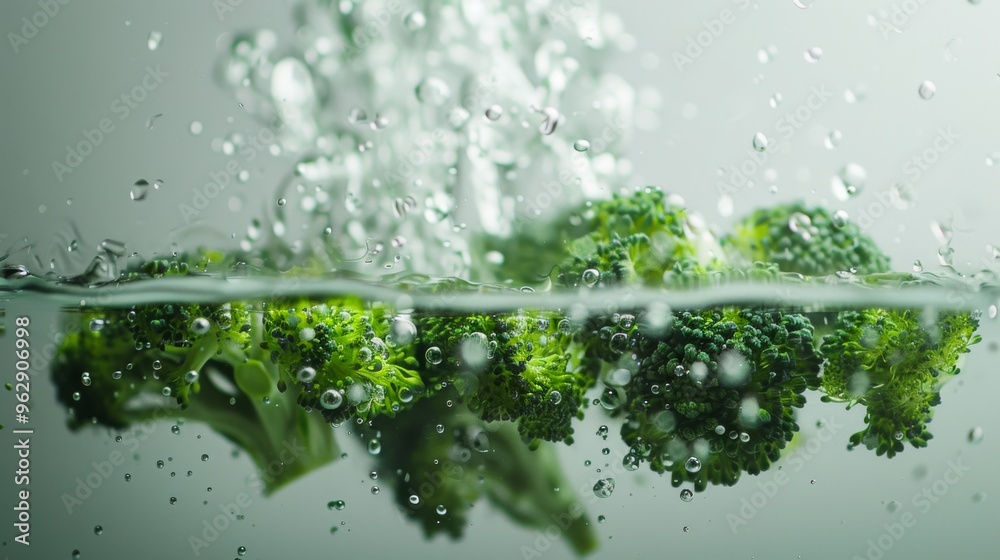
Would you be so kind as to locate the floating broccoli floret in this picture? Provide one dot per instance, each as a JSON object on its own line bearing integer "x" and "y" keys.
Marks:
{"x": 351, "y": 359}
{"x": 513, "y": 367}
{"x": 633, "y": 239}
{"x": 117, "y": 367}
{"x": 809, "y": 241}
{"x": 894, "y": 362}
{"x": 716, "y": 396}
{"x": 442, "y": 459}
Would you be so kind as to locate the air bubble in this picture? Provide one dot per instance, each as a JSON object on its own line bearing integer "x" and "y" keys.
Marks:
{"x": 604, "y": 487}
{"x": 927, "y": 90}
{"x": 154, "y": 40}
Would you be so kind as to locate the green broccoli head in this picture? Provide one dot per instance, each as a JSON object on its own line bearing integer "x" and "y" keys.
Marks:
{"x": 634, "y": 239}
{"x": 117, "y": 367}
{"x": 351, "y": 358}
{"x": 893, "y": 362}
{"x": 442, "y": 459}
{"x": 716, "y": 396}
{"x": 808, "y": 241}
{"x": 513, "y": 367}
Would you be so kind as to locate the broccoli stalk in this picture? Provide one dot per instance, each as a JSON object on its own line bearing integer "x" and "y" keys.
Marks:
{"x": 438, "y": 474}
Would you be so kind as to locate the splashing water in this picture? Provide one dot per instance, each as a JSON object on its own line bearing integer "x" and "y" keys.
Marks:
{"x": 384, "y": 106}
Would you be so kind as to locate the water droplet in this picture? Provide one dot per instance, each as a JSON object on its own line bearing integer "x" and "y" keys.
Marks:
{"x": 813, "y": 55}
{"x": 692, "y": 465}
{"x": 98, "y": 530}
{"x": 204, "y": 457}
{"x": 552, "y": 120}
{"x": 433, "y": 91}
{"x": 139, "y": 190}
{"x": 917, "y": 266}
{"x": 441, "y": 510}
{"x": 200, "y": 325}
{"x": 927, "y": 90}
{"x": 687, "y": 495}
{"x": 128, "y": 477}
{"x": 976, "y": 435}
{"x": 175, "y": 429}
{"x": 306, "y": 375}
{"x": 434, "y": 355}
{"x": 154, "y": 40}
{"x": 833, "y": 139}
{"x": 630, "y": 462}
{"x": 759, "y": 142}
{"x": 601, "y": 519}
{"x": 242, "y": 550}
{"x": 604, "y": 487}
{"x": 494, "y": 112}
{"x": 415, "y": 20}
{"x": 196, "y": 128}
{"x": 581, "y": 145}
{"x": 841, "y": 219}
{"x": 687, "y": 529}
{"x": 374, "y": 447}
{"x": 375, "y": 490}
{"x": 338, "y": 505}
{"x": 331, "y": 399}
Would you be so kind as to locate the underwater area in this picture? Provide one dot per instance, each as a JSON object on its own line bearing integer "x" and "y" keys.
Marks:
{"x": 474, "y": 278}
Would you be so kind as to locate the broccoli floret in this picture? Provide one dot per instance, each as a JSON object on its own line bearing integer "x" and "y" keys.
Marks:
{"x": 442, "y": 459}
{"x": 117, "y": 367}
{"x": 512, "y": 367}
{"x": 716, "y": 396}
{"x": 633, "y": 239}
{"x": 894, "y": 362}
{"x": 351, "y": 359}
{"x": 808, "y": 241}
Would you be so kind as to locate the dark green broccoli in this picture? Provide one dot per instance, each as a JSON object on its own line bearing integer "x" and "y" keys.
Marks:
{"x": 716, "y": 396}
{"x": 894, "y": 362}
{"x": 809, "y": 241}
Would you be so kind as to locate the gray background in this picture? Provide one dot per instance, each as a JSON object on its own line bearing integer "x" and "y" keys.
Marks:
{"x": 65, "y": 79}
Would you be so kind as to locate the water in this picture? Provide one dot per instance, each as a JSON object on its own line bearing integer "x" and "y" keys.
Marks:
{"x": 387, "y": 144}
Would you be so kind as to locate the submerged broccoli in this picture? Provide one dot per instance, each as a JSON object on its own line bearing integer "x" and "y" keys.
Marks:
{"x": 809, "y": 241}
{"x": 716, "y": 396}
{"x": 514, "y": 367}
{"x": 442, "y": 459}
{"x": 117, "y": 367}
{"x": 351, "y": 359}
{"x": 894, "y": 362}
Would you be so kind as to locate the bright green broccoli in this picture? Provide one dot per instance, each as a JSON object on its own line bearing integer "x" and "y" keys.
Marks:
{"x": 351, "y": 359}
{"x": 515, "y": 367}
{"x": 442, "y": 459}
{"x": 633, "y": 239}
{"x": 716, "y": 396}
{"x": 894, "y": 362}
{"x": 809, "y": 241}
{"x": 202, "y": 362}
